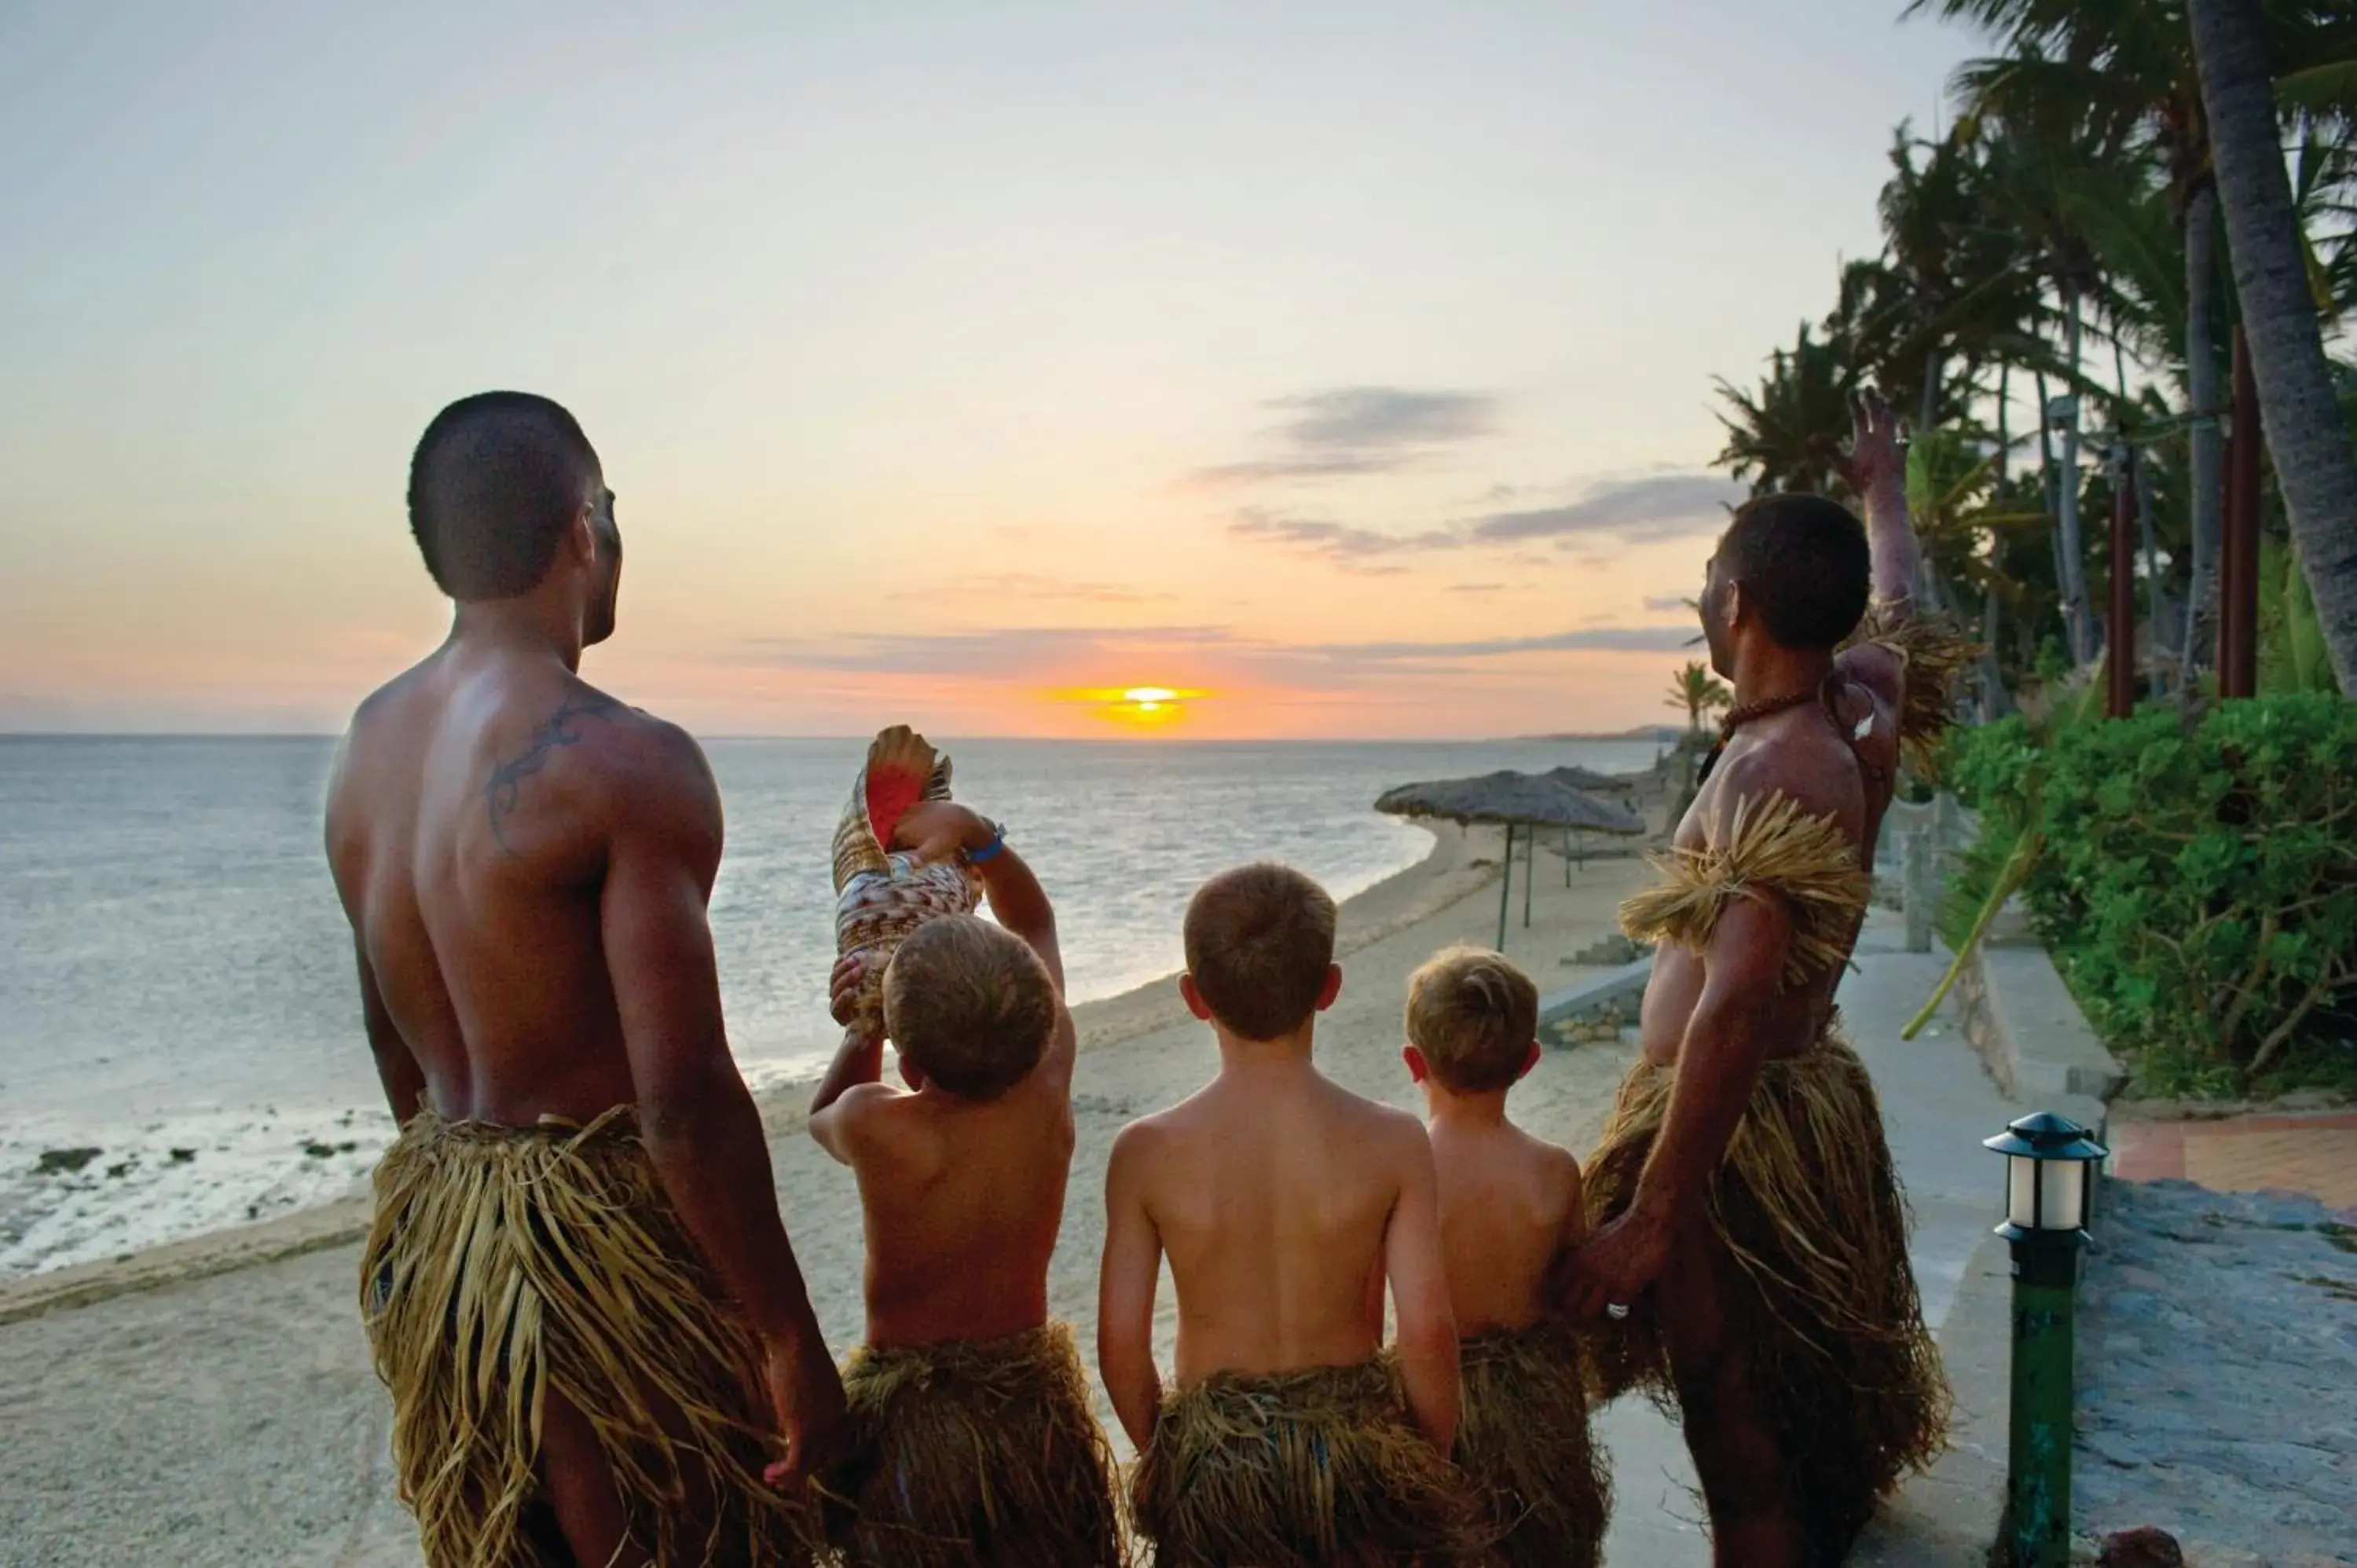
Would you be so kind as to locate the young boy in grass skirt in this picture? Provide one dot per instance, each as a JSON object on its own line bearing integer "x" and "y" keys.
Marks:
{"x": 1284, "y": 1204}
{"x": 972, "y": 1438}
{"x": 1510, "y": 1205}
{"x": 1750, "y": 1251}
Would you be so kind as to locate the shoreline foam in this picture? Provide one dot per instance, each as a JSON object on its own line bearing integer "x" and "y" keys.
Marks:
{"x": 1447, "y": 874}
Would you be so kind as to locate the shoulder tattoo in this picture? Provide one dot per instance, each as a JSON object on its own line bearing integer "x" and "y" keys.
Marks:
{"x": 505, "y": 790}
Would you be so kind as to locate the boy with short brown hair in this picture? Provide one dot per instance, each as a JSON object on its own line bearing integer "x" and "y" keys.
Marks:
{"x": 1284, "y": 1203}
{"x": 1510, "y": 1204}
{"x": 973, "y": 1441}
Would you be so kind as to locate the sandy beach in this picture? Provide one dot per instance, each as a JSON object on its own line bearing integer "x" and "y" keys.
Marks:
{"x": 212, "y": 1403}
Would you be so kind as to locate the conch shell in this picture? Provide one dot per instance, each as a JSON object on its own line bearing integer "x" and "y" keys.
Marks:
{"x": 881, "y": 895}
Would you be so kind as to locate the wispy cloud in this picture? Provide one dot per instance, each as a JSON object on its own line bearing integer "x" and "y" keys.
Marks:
{"x": 1658, "y": 506}
{"x": 1051, "y": 654}
{"x": 1345, "y": 431}
{"x": 1632, "y": 510}
{"x": 1033, "y": 586}
{"x": 1359, "y": 550}
{"x": 1666, "y": 602}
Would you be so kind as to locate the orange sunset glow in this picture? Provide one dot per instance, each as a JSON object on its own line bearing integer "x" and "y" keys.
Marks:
{"x": 1146, "y": 399}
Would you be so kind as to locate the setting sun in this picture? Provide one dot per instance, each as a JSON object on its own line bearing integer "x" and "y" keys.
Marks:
{"x": 1147, "y": 707}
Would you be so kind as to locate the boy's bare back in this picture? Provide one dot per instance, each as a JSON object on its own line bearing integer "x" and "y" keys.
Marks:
{"x": 1510, "y": 1203}
{"x": 963, "y": 1203}
{"x": 962, "y": 1192}
{"x": 1273, "y": 1195}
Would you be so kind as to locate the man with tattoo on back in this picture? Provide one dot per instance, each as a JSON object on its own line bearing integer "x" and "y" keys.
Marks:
{"x": 1748, "y": 1252}
{"x": 577, "y": 1285}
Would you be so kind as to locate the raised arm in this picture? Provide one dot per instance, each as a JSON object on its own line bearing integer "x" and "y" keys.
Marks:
{"x": 1131, "y": 1269}
{"x": 1876, "y": 470}
{"x": 1423, "y": 1320}
{"x": 699, "y": 1121}
{"x": 940, "y": 829}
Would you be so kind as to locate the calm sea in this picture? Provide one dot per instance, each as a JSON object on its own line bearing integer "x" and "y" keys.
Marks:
{"x": 176, "y": 988}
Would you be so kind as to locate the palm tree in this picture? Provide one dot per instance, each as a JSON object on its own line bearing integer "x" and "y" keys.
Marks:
{"x": 2128, "y": 67}
{"x": 1699, "y": 692}
{"x": 1783, "y": 438}
{"x": 2305, "y": 432}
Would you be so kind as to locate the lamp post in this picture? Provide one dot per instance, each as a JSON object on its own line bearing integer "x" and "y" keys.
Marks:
{"x": 2047, "y": 1187}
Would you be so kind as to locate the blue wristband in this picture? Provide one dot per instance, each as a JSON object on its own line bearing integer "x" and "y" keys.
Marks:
{"x": 991, "y": 850}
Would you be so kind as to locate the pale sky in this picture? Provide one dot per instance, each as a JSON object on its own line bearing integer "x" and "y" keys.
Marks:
{"x": 1349, "y": 364}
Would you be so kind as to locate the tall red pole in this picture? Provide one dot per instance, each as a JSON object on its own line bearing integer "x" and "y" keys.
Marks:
{"x": 2238, "y": 657}
{"x": 2121, "y": 697}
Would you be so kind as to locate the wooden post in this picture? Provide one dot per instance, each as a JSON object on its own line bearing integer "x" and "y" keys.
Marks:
{"x": 2238, "y": 651}
{"x": 1915, "y": 885}
{"x": 2121, "y": 695}
{"x": 1530, "y": 870}
{"x": 1505, "y": 887}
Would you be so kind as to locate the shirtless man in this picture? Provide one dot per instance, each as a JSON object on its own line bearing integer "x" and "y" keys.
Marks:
{"x": 1752, "y": 1253}
{"x": 973, "y": 1441}
{"x": 577, "y": 1285}
{"x": 1510, "y": 1204}
{"x": 1284, "y": 1204}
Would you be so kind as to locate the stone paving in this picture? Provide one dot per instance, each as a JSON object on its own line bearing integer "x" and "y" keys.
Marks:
{"x": 2217, "y": 1374}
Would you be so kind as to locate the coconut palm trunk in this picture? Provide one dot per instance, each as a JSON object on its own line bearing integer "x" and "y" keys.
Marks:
{"x": 2297, "y": 409}
{"x": 2207, "y": 470}
{"x": 2075, "y": 616}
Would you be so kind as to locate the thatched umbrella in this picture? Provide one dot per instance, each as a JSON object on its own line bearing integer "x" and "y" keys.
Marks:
{"x": 1571, "y": 776}
{"x": 1511, "y": 801}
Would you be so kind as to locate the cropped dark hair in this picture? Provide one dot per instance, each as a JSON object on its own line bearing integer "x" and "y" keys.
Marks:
{"x": 1804, "y": 565}
{"x": 1259, "y": 940}
{"x": 496, "y": 481}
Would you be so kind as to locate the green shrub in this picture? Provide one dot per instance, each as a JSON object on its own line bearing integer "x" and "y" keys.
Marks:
{"x": 2198, "y": 892}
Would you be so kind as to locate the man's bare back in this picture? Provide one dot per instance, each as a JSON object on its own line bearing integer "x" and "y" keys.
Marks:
{"x": 525, "y": 864}
{"x": 469, "y": 821}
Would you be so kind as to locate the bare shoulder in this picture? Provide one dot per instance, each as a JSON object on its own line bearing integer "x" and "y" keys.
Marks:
{"x": 640, "y": 772}
{"x": 1398, "y": 1136}
{"x": 1138, "y": 1155}
{"x": 1816, "y": 772}
{"x": 1879, "y": 668}
{"x": 1557, "y": 1168}
{"x": 874, "y": 1123}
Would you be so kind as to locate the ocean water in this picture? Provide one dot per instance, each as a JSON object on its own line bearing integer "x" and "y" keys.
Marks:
{"x": 179, "y": 1033}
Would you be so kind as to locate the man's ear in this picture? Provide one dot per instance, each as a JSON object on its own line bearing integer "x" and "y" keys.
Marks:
{"x": 1331, "y": 989}
{"x": 1732, "y": 605}
{"x": 1416, "y": 1068}
{"x": 1195, "y": 1002}
{"x": 1529, "y": 1062}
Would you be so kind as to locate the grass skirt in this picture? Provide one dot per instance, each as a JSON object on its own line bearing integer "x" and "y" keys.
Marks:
{"x": 1821, "y": 1303}
{"x": 1300, "y": 1469}
{"x": 506, "y": 1263}
{"x": 965, "y": 1454}
{"x": 1523, "y": 1444}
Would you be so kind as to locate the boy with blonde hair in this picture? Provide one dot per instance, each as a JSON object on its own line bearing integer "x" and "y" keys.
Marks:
{"x": 1284, "y": 1204}
{"x": 972, "y": 1440}
{"x": 1510, "y": 1205}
